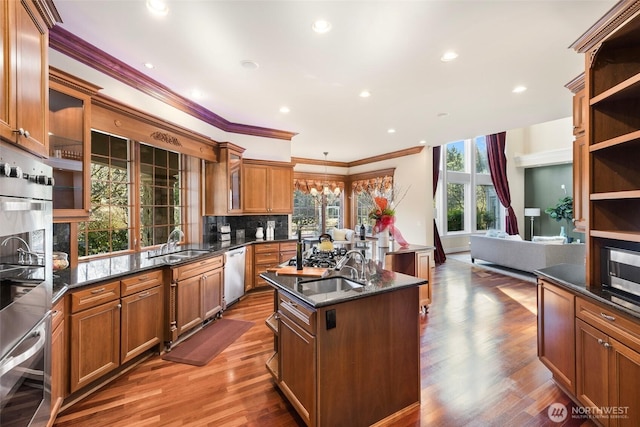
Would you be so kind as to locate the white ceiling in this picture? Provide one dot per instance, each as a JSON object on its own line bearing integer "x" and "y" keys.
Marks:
{"x": 391, "y": 48}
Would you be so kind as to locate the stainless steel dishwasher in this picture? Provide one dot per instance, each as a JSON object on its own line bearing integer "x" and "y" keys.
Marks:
{"x": 233, "y": 275}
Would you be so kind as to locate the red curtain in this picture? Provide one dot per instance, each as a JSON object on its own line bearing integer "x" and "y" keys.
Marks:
{"x": 498, "y": 167}
{"x": 439, "y": 255}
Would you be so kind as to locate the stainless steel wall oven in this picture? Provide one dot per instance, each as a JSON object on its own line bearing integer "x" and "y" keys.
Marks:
{"x": 26, "y": 278}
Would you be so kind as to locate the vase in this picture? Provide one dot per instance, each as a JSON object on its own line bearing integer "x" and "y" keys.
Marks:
{"x": 562, "y": 232}
{"x": 383, "y": 239}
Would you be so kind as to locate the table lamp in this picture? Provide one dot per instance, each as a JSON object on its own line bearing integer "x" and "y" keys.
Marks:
{"x": 532, "y": 213}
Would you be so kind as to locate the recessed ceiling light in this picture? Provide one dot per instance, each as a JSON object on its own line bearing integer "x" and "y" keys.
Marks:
{"x": 423, "y": 142}
{"x": 195, "y": 93}
{"x": 321, "y": 26}
{"x": 365, "y": 94}
{"x": 448, "y": 56}
{"x": 158, "y": 7}
{"x": 284, "y": 109}
{"x": 249, "y": 64}
{"x": 149, "y": 65}
{"x": 391, "y": 130}
{"x": 519, "y": 89}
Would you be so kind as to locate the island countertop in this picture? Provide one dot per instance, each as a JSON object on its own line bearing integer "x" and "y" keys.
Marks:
{"x": 382, "y": 281}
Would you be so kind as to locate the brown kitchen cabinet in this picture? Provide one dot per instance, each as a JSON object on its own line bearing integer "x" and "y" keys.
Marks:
{"x": 113, "y": 323}
{"x": 269, "y": 255}
{"x": 580, "y": 153}
{"x": 59, "y": 359}
{"x": 195, "y": 295}
{"x": 223, "y": 181}
{"x": 69, "y": 144}
{"x": 268, "y": 187}
{"x": 556, "y": 333}
{"x": 335, "y": 373}
{"x": 414, "y": 262}
{"x": 607, "y": 361}
{"x": 24, "y": 43}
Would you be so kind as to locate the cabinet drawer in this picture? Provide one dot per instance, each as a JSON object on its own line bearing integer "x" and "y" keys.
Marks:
{"x": 267, "y": 247}
{"x": 140, "y": 282}
{"x": 267, "y": 258}
{"x": 609, "y": 321}
{"x": 198, "y": 268}
{"x": 94, "y": 296}
{"x": 288, "y": 246}
{"x": 302, "y": 315}
{"x": 57, "y": 314}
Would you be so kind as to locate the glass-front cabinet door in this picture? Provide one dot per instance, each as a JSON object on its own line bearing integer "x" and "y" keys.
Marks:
{"x": 69, "y": 138}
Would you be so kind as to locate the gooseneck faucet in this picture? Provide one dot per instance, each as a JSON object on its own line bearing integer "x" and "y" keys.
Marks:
{"x": 342, "y": 263}
{"x": 21, "y": 252}
{"x": 172, "y": 242}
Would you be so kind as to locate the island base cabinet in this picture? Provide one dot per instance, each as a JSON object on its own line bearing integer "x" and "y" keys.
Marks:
{"x": 297, "y": 368}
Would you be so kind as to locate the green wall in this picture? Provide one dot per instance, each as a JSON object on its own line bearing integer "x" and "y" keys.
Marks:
{"x": 542, "y": 189}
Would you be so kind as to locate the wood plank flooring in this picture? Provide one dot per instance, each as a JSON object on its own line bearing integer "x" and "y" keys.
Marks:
{"x": 478, "y": 368}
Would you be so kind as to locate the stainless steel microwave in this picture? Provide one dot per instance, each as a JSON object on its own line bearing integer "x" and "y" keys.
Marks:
{"x": 622, "y": 270}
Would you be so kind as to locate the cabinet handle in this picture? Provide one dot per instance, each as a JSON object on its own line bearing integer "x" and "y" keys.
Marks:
{"x": 22, "y": 132}
{"x": 604, "y": 343}
{"x": 141, "y": 278}
{"x": 97, "y": 291}
{"x": 144, "y": 294}
{"x": 609, "y": 318}
{"x": 293, "y": 304}
{"x": 55, "y": 313}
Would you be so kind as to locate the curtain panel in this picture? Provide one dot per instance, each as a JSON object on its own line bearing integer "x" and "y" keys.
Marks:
{"x": 439, "y": 254}
{"x": 496, "y": 144}
{"x": 379, "y": 184}
{"x": 305, "y": 185}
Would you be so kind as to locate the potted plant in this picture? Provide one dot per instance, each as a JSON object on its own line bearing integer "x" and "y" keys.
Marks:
{"x": 562, "y": 211}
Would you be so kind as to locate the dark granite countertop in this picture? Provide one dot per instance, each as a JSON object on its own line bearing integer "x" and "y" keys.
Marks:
{"x": 382, "y": 281}
{"x": 99, "y": 270}
{"x": 573, "y": 278}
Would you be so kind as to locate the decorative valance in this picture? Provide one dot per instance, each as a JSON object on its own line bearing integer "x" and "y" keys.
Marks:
{"x": 379, "y": 184}
{"x": 306, "y": 184}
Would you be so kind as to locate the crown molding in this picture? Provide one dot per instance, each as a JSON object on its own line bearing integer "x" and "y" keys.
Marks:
{"x": 576, "y": 85}
{"x": 623, "y": 11}
{"x": 386, "y": 156}
{"x": 74, "y": 47}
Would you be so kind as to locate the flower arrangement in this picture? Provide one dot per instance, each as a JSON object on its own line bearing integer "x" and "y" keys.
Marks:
{"x": 382, "y": 212}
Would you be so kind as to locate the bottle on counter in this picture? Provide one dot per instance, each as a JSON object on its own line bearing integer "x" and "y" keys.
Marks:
{"x": 362, "y": 231}
{"x": 299, "y": 265}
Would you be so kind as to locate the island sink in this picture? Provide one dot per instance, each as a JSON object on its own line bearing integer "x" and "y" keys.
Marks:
{"x": 329, "y": 284}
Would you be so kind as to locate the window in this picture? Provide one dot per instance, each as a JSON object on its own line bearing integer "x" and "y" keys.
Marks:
{"x": 113, "y": 223}
{"x": 470, "y": 197}
{"x": 379, "y": 183}
{"x": 316, "y": 207}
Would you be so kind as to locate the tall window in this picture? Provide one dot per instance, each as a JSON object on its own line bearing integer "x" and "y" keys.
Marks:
{"x": 375, "y": 184}
{"x": 121, "y": 220}
{"x": 317, "y": 205}
{"x": 470, "y": 198}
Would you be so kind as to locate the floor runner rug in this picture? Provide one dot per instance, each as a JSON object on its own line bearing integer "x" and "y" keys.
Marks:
{"x": 203, "y": 346}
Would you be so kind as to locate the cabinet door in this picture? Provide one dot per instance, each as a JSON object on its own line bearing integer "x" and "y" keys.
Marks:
{"x": 58, "y": 366}
{"x": 141, "y": 323}
{"x": 95, "y": 343}
{"x": 254, "y": 191}
{"x": 592, "y": 385}
{"x": 580, "y": 183}
{"x": 31, "y": 80}
{"x": 298, "y": 368}
{"x": 556, "y": 333}
{"x": 280, "y": 191}
{"x": 212, "y": 292}
{"x": 423, "y": 267}
{"x": 189, "y": 304}
{"x": 580, "y": 112}
{"x": 624, "y": 377}
{"x": 6, "y": 84}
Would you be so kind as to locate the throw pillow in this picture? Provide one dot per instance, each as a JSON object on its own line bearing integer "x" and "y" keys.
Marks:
{"x": 339, "y": 234}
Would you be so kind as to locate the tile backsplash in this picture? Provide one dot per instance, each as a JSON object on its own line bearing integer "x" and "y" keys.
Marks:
{"x": 248, "y": 223}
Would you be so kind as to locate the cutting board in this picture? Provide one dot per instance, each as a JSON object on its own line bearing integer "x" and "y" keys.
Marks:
{"x": 290, "y": 270}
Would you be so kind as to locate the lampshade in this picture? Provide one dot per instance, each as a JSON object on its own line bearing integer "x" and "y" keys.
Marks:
{"x": 531, "y": 211}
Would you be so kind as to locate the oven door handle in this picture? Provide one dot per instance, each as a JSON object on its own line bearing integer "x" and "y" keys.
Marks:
{"x": 11, "y": 362}
{"x": 19, "y": 206}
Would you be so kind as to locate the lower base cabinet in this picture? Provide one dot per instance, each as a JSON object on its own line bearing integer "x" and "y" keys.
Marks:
{"x": 416, "y": 264}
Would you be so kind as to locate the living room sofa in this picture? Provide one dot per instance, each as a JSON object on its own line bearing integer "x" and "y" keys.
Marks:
{"x": 525, "y": 255}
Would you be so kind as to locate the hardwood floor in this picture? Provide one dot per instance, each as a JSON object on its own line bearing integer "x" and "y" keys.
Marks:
{"x": 478, "y": 368}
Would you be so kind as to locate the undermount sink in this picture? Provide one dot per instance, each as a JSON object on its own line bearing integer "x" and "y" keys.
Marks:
{"x": 181, "y": 255}
{"x": 329, "y": 284}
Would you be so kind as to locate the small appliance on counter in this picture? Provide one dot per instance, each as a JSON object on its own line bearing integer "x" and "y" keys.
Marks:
{"x": 224, "y": 234}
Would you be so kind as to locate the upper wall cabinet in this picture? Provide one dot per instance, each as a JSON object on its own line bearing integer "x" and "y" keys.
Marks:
{"x": 223, "y": 182}
{"x": 69, "y": 144}
{"x": 24, "y": 40}
{"x": 268, "y": 187}
{"x": 580, "y": 153}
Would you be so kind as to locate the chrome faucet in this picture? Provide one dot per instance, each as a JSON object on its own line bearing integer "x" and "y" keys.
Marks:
{"x": 24, "y": 256}
{"x": 342, "y": 263}
{"x": 172, "y": 242}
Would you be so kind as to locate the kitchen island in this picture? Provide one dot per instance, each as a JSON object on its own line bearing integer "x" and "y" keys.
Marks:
{"x": 346, "y": 353}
